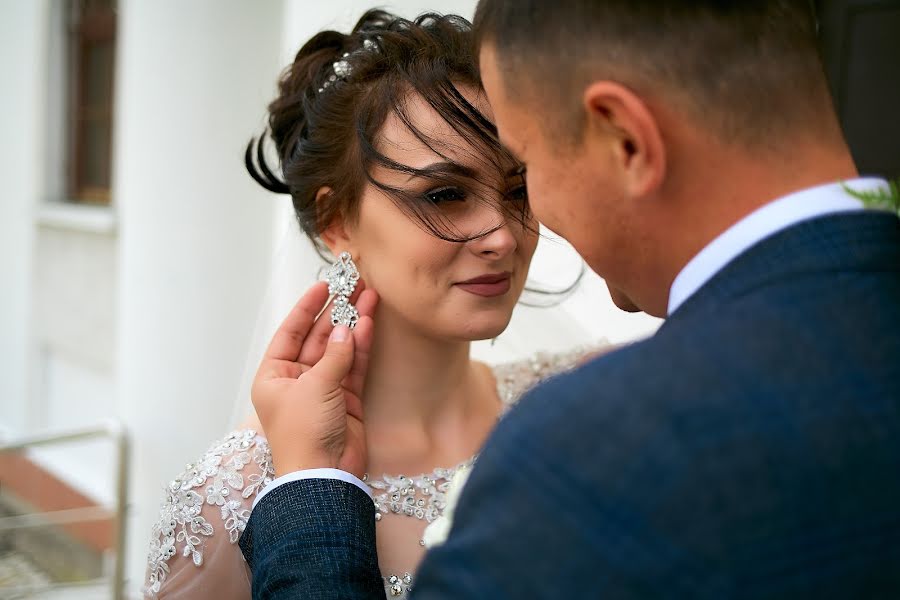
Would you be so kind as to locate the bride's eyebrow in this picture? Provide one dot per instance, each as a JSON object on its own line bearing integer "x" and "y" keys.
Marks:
{"x": 444, "y": 167}
{"x": 516, "y": 170}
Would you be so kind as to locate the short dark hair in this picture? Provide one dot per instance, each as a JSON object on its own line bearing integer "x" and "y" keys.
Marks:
{"x": 326, "y": 125}
{"x": 748, "y": 70}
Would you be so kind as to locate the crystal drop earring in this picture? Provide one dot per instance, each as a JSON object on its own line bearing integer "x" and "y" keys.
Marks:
{"x": 342, "y": 277}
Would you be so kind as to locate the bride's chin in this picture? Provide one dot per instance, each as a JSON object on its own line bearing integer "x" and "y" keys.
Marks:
{"x": 486, "y": 327}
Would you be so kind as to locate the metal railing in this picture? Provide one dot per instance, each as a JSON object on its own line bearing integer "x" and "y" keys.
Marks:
{"x": 115, "y": 580}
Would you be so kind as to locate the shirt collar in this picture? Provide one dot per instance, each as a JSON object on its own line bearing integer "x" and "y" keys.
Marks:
{"x": 762, "y": 223}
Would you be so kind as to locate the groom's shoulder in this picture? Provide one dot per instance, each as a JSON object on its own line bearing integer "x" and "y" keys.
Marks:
{"x": 718, "y": 371}
{"x": 652, "y": 368}
{"x": 603, "y": 420}
{"x": 643, "y": 377}
{"x": 647, "y": 390}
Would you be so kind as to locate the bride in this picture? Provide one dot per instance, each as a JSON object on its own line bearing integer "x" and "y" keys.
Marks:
{"x": 387, "y": 149}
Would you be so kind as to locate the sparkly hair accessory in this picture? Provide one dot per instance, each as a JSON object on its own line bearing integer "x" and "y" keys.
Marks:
{"x": 342, "y": 69}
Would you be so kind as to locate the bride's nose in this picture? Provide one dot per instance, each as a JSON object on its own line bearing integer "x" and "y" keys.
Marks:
{"x": 496, "y": 245}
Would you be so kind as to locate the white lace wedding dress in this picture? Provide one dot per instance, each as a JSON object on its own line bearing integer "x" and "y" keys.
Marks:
{"x": 193, "y": 548}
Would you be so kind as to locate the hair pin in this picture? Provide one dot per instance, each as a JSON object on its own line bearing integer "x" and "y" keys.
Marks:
{"x": 341, "y": 69}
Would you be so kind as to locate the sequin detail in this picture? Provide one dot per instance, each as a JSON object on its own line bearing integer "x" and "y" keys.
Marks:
{"x": 397, "y": 586}
{"x": 421, "y": 497}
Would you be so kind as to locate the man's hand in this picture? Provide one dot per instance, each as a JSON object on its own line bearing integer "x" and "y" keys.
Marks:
{"x": 307, "y": 391}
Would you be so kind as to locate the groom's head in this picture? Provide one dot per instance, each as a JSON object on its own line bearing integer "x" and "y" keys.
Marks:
{"x": 647, "y": 127}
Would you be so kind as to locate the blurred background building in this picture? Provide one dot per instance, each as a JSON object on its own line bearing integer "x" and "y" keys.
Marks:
{"x": 135, "y": 253}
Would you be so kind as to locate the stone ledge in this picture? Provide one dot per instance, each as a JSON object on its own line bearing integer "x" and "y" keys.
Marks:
{"x": 85, "y": 218}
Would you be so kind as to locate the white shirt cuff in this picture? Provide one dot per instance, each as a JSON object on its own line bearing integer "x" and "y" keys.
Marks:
{"x": 313, "y": 474}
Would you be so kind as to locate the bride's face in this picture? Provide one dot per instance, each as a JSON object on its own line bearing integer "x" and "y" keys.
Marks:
{"x": 443, "y": 289}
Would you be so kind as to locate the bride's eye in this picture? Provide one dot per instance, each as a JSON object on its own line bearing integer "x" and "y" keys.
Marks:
{"x": 446, "y": 194}
{"x": 518, "y": 193}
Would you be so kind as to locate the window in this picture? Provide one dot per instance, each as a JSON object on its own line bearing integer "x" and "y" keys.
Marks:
{"x": 91, "y": 37}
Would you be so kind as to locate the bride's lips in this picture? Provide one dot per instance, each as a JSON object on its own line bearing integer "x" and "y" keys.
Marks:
{"x": 488, "y": 286}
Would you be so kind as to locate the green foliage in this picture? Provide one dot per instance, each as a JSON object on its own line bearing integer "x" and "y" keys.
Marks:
{"x": 882, "y": 198}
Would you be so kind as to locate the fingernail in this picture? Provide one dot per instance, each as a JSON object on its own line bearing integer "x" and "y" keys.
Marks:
{"x": 340, "y": 333}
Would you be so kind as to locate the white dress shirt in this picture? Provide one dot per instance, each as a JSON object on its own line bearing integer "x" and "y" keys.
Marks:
{"x": 755, "y": 227}
{"x": 313, "y": 474}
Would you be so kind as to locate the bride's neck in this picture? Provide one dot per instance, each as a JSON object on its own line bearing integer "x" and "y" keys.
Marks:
{"x": 418, "y": 388}
{"x": 411, "y": 375}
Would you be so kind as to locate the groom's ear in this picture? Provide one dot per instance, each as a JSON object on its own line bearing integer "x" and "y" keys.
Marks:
{"x": 624, "y": 120}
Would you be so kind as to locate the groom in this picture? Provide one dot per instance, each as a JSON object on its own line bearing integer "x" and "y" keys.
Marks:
{"x": 751, "y": 448}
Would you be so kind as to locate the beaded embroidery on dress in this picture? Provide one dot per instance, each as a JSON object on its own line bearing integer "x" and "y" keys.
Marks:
{"x": 206, "y": 507}
{"x": 220, "y": 479}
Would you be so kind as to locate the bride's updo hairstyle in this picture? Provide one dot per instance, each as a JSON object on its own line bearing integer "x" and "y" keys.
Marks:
{"x": 334, "y": 99}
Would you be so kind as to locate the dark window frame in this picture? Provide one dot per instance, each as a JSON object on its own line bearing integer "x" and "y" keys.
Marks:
{"x": 92, "y": 25}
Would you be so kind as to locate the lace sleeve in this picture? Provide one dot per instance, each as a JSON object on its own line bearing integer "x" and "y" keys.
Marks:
{"x": 193, "y": 546}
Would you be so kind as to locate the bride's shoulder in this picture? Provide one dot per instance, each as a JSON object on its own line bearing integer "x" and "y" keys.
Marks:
{"x": 514, "y": 378}
{"x": 207, "y": 504}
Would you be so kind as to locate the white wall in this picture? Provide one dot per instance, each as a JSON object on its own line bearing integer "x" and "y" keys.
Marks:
{"x": 73, "y": 300}
{"x": 20, "y": 109}
{"x": 193, "y": 82}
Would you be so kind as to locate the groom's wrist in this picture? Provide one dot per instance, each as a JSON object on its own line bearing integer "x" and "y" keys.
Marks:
{"x": 318, "y": 473}
{"x": 292, "y": 458}
{"x": 286, "y": 468}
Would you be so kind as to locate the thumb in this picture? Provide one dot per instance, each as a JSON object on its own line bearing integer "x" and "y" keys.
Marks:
{"x": 337, "y": 361}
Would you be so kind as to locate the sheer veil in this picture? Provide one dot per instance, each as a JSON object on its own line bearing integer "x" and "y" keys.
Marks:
{"x": 544, "y": 320}
{"x": 294, "y": 267}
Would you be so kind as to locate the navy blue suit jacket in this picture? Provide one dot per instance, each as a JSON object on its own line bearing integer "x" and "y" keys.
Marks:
{"x": 749, "y": 449}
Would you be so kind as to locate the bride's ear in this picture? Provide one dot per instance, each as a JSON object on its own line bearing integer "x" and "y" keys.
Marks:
{"x": 334, "y": 235}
